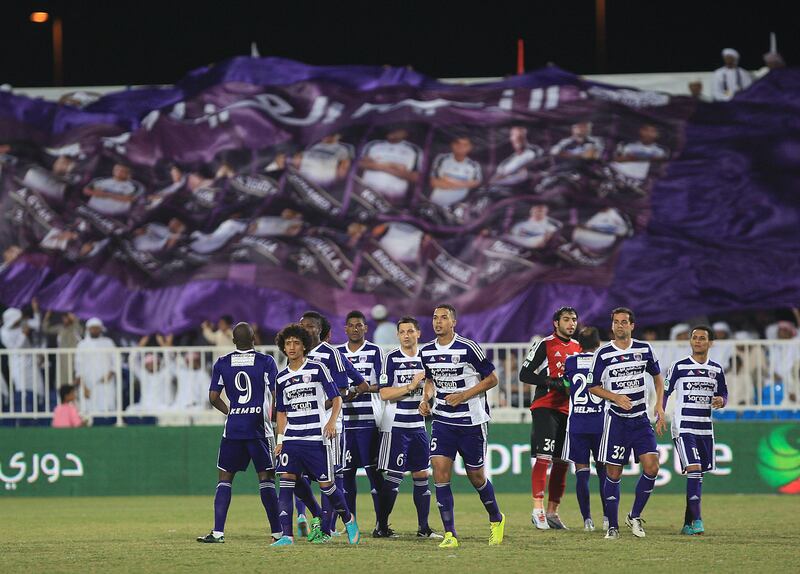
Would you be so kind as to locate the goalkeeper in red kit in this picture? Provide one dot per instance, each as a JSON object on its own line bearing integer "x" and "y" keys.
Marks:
{"x": 544, "y": 368}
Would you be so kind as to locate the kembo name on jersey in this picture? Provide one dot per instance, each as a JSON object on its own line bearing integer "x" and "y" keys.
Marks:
{"x": 401, "y": 370}
{"x": 454, "y": 368}
{"x": 302, "y": 394}
{"x": 248, "y": 378}
{"x": 586, "y": 410}
{"x": 694, "y": 386}
{"x": 623, "y": 371}
{"x": 365, "y": 409}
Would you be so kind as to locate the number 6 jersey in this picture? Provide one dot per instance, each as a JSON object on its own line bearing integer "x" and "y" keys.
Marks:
{"x": 248, "y": 378}
{"x": 586, "y": 410}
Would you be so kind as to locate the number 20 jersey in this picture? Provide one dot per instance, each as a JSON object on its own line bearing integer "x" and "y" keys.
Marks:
{"x": 248, "y": 378}
{"x": 586, "y": 410}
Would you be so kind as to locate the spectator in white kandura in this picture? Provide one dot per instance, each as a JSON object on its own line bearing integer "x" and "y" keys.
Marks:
{"x": 730, "y": 78}
{"x": 193, "y": 382}
{"x": 723, "y": 349}
{"x": 155, "y": 383}
{"x": 25, "y": 376}
{"x": 325, "y": 162}
{"x": 68, "y": 333}
{"x": 95, "y": 366}
{"x": 210, "y": 242}
{"x": 114, "y": 195}
{"x": 385, "y": 333}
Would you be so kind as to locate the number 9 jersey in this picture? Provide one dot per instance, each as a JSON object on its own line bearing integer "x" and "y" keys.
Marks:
{"x": 248, "y": 378}
{"x": 586, "y": 410}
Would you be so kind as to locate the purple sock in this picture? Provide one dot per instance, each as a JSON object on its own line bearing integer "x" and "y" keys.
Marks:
{"x": 269, "y": 498}
{"x": 375, "y": 487}
{"x": 694, "y": 487}
{"x": 422, "y": 500}
{"x": 486, "y": 492}
{"x": 302, "y": 490}
{"x": 391, "y": 486}
{"x": 444, "y": 500}
{"x": 350, "y": 490}
{"x": 582, "y": 491}
{"x": 285, "y": 502}
{"x": 339, "y": 482}
{"x": 643, "y": 490}
{"x": 611, "y": 494}
{"x": 337, "y": 502}
{"x": 601, "y": 478}
{"x": 222, "y": 500}
{"x": 298, "y": 504}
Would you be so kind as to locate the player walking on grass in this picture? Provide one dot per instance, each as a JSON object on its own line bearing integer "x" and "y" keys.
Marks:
{"x": 698, "y": 385}
{"x": 248, "y": 378}
{"x": 405, "y": 445}
{"x": 618, "y": 376}
{"x": 585, "y": 425}
{"x": 544, "y": 367}
{"x": 305, "y": 443}
{"x": 458, "y": 375}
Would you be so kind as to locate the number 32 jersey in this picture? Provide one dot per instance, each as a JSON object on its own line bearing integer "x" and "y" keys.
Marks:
{"x": 586, "y": 410}
{"x": 248, "y": 378}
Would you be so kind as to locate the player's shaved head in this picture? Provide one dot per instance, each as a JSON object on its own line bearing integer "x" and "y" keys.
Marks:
{"x": 243, "y": 336}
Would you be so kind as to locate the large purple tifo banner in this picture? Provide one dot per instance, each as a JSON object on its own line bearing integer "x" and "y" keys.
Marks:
{"x": 262, "y": 187}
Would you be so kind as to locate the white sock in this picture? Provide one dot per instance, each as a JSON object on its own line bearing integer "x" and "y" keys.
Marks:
{"x": 217, "y": 533}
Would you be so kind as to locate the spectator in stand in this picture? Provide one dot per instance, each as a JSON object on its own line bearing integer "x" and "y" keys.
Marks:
{"x": 223, "y": 335}
{"x": 68, "y": 333}
{"x": 730, "y": 78}
{"x": 193, "y": 382}
{"x": 94, "y": 368}
{"x": 155, "y": 383}
{"x": 66, "y": 414}
{"x": 385, "y": 333}
{"x": 696, "y": 90}
{"x": 25, "y": 376}
{"x": 114, "y": 195}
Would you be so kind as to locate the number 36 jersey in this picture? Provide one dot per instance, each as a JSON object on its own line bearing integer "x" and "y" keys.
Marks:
{"x": 586, "y": 411}
{"x": 248, "y": 378}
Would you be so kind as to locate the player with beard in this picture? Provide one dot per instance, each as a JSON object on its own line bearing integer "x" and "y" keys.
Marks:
{"x": 544, "y": 367}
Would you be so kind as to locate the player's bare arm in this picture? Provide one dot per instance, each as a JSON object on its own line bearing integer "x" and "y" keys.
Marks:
{"x": 622, "y": 401}
{"x": 281, "y": 422}
{"x": 487, "y": 383}
{"x": 217, "y": 402}
{"x": 330, "y": 427}
{"x": 427, "y": 395}
{"x": 658, "y": 410}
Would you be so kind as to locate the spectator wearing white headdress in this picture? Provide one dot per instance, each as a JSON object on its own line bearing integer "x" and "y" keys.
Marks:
{"x": 730, "y": 78}
{"x": 193, "y": 382}
{"x": 24, "y": 375}
{"x": 385, "y": 333}
{"x": 95, "y": 367}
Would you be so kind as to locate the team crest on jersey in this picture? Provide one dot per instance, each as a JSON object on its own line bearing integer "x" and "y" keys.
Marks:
{"x": 456, "y": 359}
{"x": 362, "y": 359}
{"x": 306, "y": 378}
{"x": 712, "y": 374}
{"x": 637, "y": 356}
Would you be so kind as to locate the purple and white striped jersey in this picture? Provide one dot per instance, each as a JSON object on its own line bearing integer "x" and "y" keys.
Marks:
{"x": 403, "y": 414}
{"x": 364, "y": 411}
{"x": 301, "y": 394}
{"x": 453, "y": 368}
{"x": 694, "y": 385}
{"x": 586, "y": 411}
{"x": 622, "y": 371}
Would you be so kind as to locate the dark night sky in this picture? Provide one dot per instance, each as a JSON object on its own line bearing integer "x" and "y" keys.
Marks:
{"x": 158, "y": 42}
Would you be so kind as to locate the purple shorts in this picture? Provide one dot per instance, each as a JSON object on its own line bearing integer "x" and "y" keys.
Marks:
{"x": 621, "y": 435}
{"x": 312, "y": 458}
{"x": 404, "y": 450}
{"x": 236, "y": 454}
{"x": 578, "y": 446}
{"x": 468, "y": 441}
{"x": 361, "y": 448}
{"x": 696, "y": 450}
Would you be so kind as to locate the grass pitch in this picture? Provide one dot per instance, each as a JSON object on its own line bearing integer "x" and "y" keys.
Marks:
{"x": 157, "y": 534}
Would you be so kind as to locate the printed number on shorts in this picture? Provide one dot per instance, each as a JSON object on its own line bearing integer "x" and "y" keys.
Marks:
{"x": 619, "y": 452}
{"x": 549, "y": 444}
{"x": 348, "y": 456}
{"x": 400, "y": 460}
{"x": 284, "y": 459}
{"x": 243, "y": 385}
{"x": 433, "y": 444}
{"x": 695, "y": 452}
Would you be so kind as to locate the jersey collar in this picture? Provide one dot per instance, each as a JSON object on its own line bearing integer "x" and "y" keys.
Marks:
{"x": 448, "y": 345}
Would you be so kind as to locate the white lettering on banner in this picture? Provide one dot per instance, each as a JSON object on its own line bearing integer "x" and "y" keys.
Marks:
{"x": 48, "y": 465}
{"x": 424, "y": 107}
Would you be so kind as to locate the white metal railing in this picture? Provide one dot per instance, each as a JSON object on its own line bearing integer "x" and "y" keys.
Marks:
{"x": 171, "y": 383}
